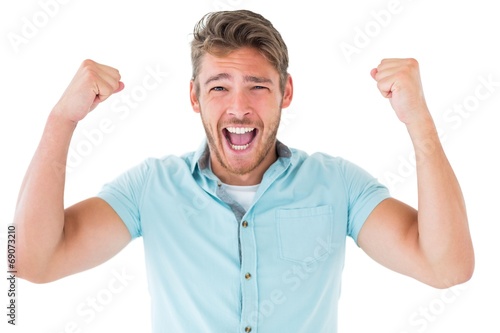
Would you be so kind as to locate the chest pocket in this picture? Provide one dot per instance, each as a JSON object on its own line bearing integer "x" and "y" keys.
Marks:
{"x": 305, "y": 235}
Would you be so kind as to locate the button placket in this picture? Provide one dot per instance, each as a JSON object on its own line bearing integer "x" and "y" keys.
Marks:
{"x": 249, "y": 288}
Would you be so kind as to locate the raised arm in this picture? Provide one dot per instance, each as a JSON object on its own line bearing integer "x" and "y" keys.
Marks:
{"x": 432, "y": 244}
{"x": 52, "y": 241}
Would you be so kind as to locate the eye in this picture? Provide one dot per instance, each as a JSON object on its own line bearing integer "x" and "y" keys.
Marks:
{"x": 218, "y": 89}
{"x": 259, "y": 87}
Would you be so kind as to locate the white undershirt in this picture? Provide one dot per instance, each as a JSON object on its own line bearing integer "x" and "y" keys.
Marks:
{"x": 244, "y": 195}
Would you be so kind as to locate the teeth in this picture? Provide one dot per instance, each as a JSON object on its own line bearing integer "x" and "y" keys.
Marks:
{"x": 243, "y": 147}
{"x": 239, "y": 130}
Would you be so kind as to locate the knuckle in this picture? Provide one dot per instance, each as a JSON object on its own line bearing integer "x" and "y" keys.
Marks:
{"x": 412, "y": 62}
{"x": 88, "y": 63}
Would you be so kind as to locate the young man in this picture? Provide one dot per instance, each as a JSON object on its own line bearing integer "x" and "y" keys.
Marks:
{"x": 244, "y": 221}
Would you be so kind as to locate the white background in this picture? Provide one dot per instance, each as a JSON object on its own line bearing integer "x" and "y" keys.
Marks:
{"x": 337, "y": 109}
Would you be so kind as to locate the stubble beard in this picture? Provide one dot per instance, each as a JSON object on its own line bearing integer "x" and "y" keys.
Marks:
{"x": 268, "y": 142}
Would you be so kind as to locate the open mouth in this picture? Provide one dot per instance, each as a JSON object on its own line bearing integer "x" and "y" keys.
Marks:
{"x": 239, "y": 138}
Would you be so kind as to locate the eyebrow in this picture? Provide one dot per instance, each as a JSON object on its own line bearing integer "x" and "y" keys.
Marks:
{"x": 257, "y": 79}
{"x": 219, "y": 77}
{"x": 246, "y": 78}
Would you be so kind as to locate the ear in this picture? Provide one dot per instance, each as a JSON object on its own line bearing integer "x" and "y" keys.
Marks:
{"x": 287, "y": 93}
{"x": 195, "y": 104}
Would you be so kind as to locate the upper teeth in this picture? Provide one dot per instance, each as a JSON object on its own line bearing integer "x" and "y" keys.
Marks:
{"x": 239, "y": 130}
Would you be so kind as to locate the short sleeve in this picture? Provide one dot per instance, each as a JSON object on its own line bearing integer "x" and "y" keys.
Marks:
{"x": 124, "y": 194}
{"x": 364, "y": 193}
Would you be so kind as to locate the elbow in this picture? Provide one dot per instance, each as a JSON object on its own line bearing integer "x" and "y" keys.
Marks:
{"x": 452, "y": 280}
{"x": 35, "y": 278}
{"x": 459, "y": 274}
{"x": 33, "y": 267}
{"x": 467, "y": 271}
{"x": 32, "y": 276}
{"x": 33, "y": 273}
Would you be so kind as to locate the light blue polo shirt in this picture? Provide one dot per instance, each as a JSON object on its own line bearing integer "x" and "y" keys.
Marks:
{"x": 214, "y": 267}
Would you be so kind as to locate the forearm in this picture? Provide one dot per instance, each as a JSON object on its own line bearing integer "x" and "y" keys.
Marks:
{"x": 444, "y": 236}
{"x": 39, "y": 213}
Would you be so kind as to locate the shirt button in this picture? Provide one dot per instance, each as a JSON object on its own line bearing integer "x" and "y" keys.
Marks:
{"x": 248, "y": 276}
{"x": 248, "y": 329}
{"x": 244, "y": 224}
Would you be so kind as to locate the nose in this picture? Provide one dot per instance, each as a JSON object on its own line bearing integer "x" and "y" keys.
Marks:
{"x": 239, "y": 105}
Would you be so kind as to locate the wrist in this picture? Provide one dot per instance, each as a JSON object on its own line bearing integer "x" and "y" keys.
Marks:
{"x": 424, "y": 137}
{"x": 60, "y": 120}
{"x": 421, "y": 126}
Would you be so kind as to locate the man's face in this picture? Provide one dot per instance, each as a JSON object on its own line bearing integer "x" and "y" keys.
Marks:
{"x": 240, "y": 103}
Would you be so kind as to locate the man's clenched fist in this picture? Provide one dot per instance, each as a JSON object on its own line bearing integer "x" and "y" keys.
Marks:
{"x": 399, "y": 81}
{"x": 92, "y": 84}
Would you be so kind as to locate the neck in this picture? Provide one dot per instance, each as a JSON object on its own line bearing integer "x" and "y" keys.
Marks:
{"x": 253, "y": 177}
